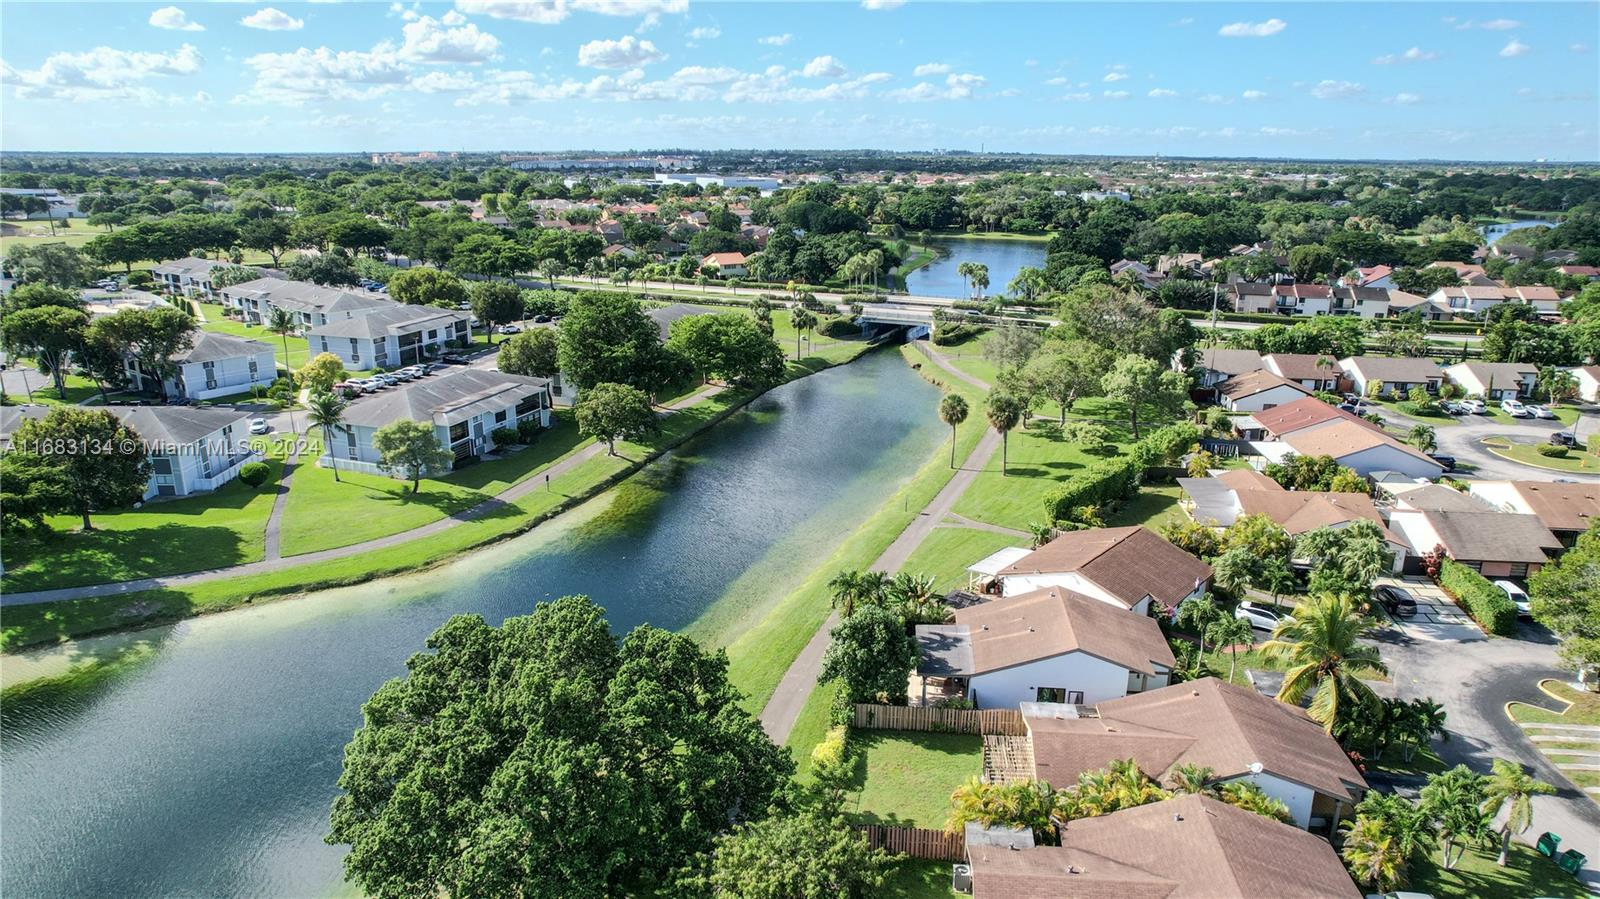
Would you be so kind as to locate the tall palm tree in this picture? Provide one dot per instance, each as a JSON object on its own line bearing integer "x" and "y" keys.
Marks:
{"x": 1423, "y": 437}
{"x": 803, "y": 321}
{"x": 1322, "y": 645}
{"x": 1005, "y": 413}
{"x": 980, "y": 279}
{"x": 326, "y": 411}
{"x": 953, "y": 411}
{"x": 282, "y": 322}
{"x": 1372, "y": 855}
{"x": 1509, "y": 785}
{"x": 850, "y": 588}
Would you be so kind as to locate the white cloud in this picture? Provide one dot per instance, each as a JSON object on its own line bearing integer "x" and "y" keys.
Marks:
{"x": 882, "y": 5}
{"x": 1403, "y": 99}
{"x": 1115, "y": 76}
{"x": 1056, "y": 81}
{"x": 1115, "y": 95}
{"x": 1500, "y": 25}
{"x": 1514, "y": 49}
{"x": 705, "y": 33}
{"x": 433, "y": 41}
{"x": 1253, "y": 29}
{"x": 931, "y": 68}
{"x": 1415, "y": 54}
{"x": 1215, "y": 99}
{"x": 1161, "y": 92}
{"x": 1254, "y": 95}
{"x": 174, "y": 19}
{"x": 453, "y": 18}
{"x": 1579, "y": 48}
{"x": 103, "y": 73}
{"x": 823, "y": 67}
{"x": 1077, "y": 97}
{"x": 1328, "y": 89}
{"x": 272, "y": 19}
{"x": 957, "y": 86}
{"x": 307, "y": 75}
{"x": 775, "y": 40}
{"x": 1184, "y": 22}
{"x": 626, "y": 53}
{"x": 551, "y": 12}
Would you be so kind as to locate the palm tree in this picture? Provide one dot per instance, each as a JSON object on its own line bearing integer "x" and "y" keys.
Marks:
{"x": 1322, "y": 646}
{"x": 326, "y": 411}
{"x": 803, "y": 321}
{"x": 980, "y": 279}
{"x": 282, "y": 322}
{"x": 1558, "y": 384}
{"x": 911, "y": 589}
{"x": 1245, "y": 795}
{"x": 1005, "y": 413}
{"x": 1231, "y": 632}
{"x": 965, "y": 271}
{"x": 1372, "y": 855}
{"x": 1192, "y": 779}
{"x": 1040, "y": 534}
{"x": 1423, "y": 438}
{"x": 1509, "y": 785}
{"x": 850, "y": 588}
{"x": 952, "y": 411}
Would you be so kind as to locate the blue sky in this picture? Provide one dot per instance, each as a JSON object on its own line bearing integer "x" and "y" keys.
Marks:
{"x": 1493, "y": 81}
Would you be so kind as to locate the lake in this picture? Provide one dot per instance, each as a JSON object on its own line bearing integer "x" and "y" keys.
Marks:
{"x": 208, "y": 768}
{"x": 1493, "y": 233}
{"x": 1003, "y": 257}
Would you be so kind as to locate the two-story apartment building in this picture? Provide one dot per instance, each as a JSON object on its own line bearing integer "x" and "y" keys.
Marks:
{"x": 214, "y": 365}
{"x": 464, "y": 406}
{"x": 390, "y": 336}
{"x": 1495, "y": 381}
{"x": 312, "y": 304}
{"x": 189, "y": 276}
{"x": 1362, "y": 302}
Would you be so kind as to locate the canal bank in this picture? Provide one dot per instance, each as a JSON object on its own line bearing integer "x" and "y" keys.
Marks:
{"x": 207, "y": 767}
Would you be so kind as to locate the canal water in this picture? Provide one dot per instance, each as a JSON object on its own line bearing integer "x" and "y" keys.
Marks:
{"x": 1493, "y": 233}
{"x": 207, "y": 767}
{"x": 1003, "y": 257}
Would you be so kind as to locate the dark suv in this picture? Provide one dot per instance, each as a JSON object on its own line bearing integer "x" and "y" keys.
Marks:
{"x": 1396, "y": 601}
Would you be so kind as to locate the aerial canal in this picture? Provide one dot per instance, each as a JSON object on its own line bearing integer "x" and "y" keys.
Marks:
{"x": 1004, "y": 257}
{"x": 207, "y": 767}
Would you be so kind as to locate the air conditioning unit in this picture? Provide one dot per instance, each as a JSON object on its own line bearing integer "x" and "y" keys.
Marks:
{"x": 961, "y": 878}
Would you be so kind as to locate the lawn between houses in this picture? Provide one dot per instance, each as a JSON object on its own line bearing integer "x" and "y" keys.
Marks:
{"x": 49, "y": 622}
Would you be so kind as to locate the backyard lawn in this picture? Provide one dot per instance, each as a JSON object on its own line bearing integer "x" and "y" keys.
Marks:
{"x": 1527, "y": 873}
{"x": 905, "y": 778}
{"x": 1153, "y": 506}
{"x": 947, "y": 552}
{"x": 1039, "y": 459}
{"x": 918, "y": 878}
{"x": 217, "y": 323}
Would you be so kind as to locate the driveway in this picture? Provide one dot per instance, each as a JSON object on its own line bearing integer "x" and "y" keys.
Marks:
{"x": 1473, "y": 677}
{"x": 1462, "y": 441}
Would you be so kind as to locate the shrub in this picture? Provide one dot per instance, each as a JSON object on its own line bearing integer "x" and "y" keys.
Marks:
{"x": 528, "y": 430}
{"x": 254, "y": 474}
{"x": 1106, "y": 482}
{"x": 503, "y": 437}
{"x": 1554, "y": 452}
{"x": 838, "y": 327}
{"x": 140, "y": 278}
{"x": 1485, "y": 602}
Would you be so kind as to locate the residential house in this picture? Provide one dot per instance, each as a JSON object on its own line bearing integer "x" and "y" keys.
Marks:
{"x": 1580, "y": 271}
{"x": 1402, "y": 303}
{"x": 1217, "y": 365}
{"x": 1303, "y": 299}
{"x": 1423, "y": 496}
{"x": 1362, "y": 302}
{"x": 1497, "y": 544}
{"x": 1588, "y": 378}
{"x": 1473, "y": 275}
{"x": 1377, "y": 276}
{"x": 1471, "y": 299}
{"x": 465, "y": 406}
{"x": 1186, "y": 847}
{"x": 1130, "y": 567}
{"x": 664, "y": 316}
{"x": 312, "y": 304}
{"x": 1167, "y": 265}
{"x": 1257, "y": 391}
{"x": 1302, "y": 414}
{"x": 1566, "y": 510}
{"x": 214, "y": 365}
{"x": 1363, "y": 449}
{"x": 1313, "y": 372}
{"x": 392, "y": 336}
{"x": 728, "y": 265}
{"x": 1228, "y": 496}
{"x": 1237, "y": 732}
{"x": 189, "y": 276}
{"x": 1252, "y": 297}
{"x": 1397, "y": 376}
{"x": 1545, "y": 299}
{"x": 1495, "y": 381}
{"x": 1049, "y": 645}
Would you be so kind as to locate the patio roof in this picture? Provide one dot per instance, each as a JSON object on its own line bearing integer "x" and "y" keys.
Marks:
{"x": 992, "y": 565}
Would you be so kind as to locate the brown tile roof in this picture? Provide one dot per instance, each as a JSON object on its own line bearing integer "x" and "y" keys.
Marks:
{"x": 1532, "y": 292}
{"x": 1247, "y": 479}
{"x": 1436, "y": 498}
{"x": 1252, "y": 383}
{"x": 1231, "y": 362}
{"x": 1402, "y": 369}
{"x": 1130, "y": 563}
{"x": 1205, "y": 722}
{"x": 1343, "y": 439}
{"x": 1303, "y": 366}
{"x": 1291, "y": 417}
{"x": 1048, "y": 872}
{"x": 1318, "y": 291}
{"x": 1053, "y": 621}
{"x": 1300, "y": 511}
{"x": 1561, "y": 507}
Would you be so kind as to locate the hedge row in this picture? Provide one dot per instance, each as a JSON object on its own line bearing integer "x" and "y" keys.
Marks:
{"x": 1485, "y": 602}
{"x": 1118, "y": 479}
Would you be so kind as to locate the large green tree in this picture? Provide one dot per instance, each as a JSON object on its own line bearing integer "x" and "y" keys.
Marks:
{"x": 410, "y": 449}
{"x": 607, "y": 338}
{"x": 611, "y": 412}
{"x": 544, "y": 759}
{"x": 101, "y": 462}
{"x": 1566, "y": 599}
{"x": 807, "y": 855}
{"x": 871, "y": 656}
{"x": 1146, "y": 388}
{"x": 1062, "y": 371}
{"x": 534, "y": 353}
{"x": 496, "y": 303}
{"x": 428, "y": 287}
{"x": 48, "y": 334}
{"x": 729, "y": 346}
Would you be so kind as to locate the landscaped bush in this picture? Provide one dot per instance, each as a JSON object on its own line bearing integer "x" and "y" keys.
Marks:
{"x": 528, "y": 430}
{"x": 1106, "y": 482}
{"x": 838, "y": 327}
{"x": 140, "y": 278}
{"x": 1485, "y": 602}
{"x": 503, "y": 437}
{"x": 1554, "y": 452}
{"x": 948, "y": 333}
{"x": 254, "y": 474}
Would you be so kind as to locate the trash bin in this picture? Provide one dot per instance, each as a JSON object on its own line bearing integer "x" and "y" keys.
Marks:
{"x": 1571, "y": 861}
{"x": 1549, "y": 844}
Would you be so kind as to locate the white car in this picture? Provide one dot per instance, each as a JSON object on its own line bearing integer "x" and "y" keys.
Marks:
{"x": 1517, "y": 595}
{"x": 1262, "y": 618}
{"x": 258, "y": 426}
{"x": 1541, "y": 412}
{"x": 1476, "y": 407}
{"x": 1514, "y": 408}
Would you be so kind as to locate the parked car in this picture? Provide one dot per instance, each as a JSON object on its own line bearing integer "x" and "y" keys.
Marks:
{"x": 540, "y": 319}
{"x": 390, "y": 380}
{"x": 429, "y": 368}
{"x": 1514, "y": 408}
{"x": 1448, "y": 461}
{"x": 1396, "y": 601}
{"x": 415, "y": 371}
{"x": 509, "y": 329}
{"x": 1450, "y": 407}
{"x": 404, "y": 374}
{"x": 453, "y": 359}
{"x": 1517, "y": 595}
{"x": 1541, "y": 412}
{"x": 259, "y": 426}
{"x": 348, "y": 389}
{"x": 1476, "y": 407}
{"x": 1563, "y": 438}
{"x": 1262, "y": 618}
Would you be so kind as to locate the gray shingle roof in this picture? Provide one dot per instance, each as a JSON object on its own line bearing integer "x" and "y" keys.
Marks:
{"x": 209, "y": 346}
{"x": 153, "y": 424}
{"x": 302, "y": 296}
{"x": 392, "y": 319}
{"x": 444, "y": 399}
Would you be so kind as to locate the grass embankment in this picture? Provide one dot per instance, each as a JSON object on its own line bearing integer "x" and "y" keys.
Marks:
{"x": 49, "y": 622}
{"x": 1528, "y": 454}
{"x": 1581, "y": 709}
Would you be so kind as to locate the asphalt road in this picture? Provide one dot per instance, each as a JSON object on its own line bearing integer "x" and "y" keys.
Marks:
{"x": 1462, "y": 441}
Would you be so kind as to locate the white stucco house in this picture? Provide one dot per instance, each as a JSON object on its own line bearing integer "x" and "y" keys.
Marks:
{"x": 464, "y": 405}
{"x": 214, "y": 365}
{"x": 1363, "y": 449}
{"x": 1588, "y": 378}
{"x": 1396, "y": 375}
{"x": 1258, "y": 391}
{"x": 1051, "y": 645}
{"x": 1133, "y": 568}
{"x": 1495, "y": 381}
{"x": 189, "y": 276}
{"x": 311, "y": 304}
{"x": 391, "y": 337}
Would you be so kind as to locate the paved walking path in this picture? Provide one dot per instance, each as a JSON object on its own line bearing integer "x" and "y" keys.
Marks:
{"x": 961, "y": 521}
{"x": 926, "y": 349}
{"x": 498, "y": 501}
{"x": 783, "y": 709}
{"x": 274, "y": 532}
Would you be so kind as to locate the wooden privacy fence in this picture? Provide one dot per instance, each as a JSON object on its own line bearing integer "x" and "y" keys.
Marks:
{"x": 927, "y": 718}
{"x": 917, "y": 842}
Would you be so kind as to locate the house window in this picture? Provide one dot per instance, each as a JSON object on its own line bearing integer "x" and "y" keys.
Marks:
{"x": 433, "y": 334}
{"x": 161, "y": 465}
{"x": 1519, "y": 569}
{"x": 500, "y": 417}
{"x": 458, "y": 431}
{"x": 1053, "y": 694}
{"x": 528, "y": 404}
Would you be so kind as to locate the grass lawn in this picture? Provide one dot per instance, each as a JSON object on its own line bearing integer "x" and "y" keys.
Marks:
{"x": 217, "y": 323}
{"x": 905, "y": 778}
{"x": 1527, "y": 873}
{"x": 967, "y": 355}
{"x": 1528, "y": 454}
{"x": 1152, "y": 506}
{"x": 947, "y": 552}
{"x": 1583, "y": 708}
{"x": 79, "y": 389}
{"x": 917, "y": 878}
{"x": 217, "y": 529}
{"x": 1039, "y": 460}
